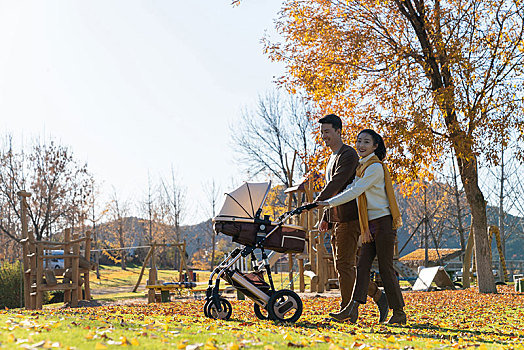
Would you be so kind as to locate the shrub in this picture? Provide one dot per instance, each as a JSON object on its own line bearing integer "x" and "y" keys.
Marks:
{"x": 56, "y": 296}
{"x": 11, "y": 285}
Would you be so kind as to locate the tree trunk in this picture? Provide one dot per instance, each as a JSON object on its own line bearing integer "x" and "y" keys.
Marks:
{"x": 469, "y": 174}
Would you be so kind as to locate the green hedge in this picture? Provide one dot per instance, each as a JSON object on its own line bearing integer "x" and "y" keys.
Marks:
{"x": 11, "y": 284}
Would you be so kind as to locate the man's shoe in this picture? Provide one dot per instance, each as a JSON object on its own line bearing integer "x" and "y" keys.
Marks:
{"x": 349, "y": 313}
{"x": 383, "y": 307}
{"x": 399, "y": 317}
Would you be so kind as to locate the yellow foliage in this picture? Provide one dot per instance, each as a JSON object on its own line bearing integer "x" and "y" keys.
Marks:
{"x": 409, "y": 74}
{"x": 275, "y": 203}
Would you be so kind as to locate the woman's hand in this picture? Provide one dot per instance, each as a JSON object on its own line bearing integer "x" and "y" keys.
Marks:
{"x": 366, "y": 237}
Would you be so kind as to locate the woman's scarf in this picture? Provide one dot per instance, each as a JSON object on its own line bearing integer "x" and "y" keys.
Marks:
{"x": 362, "y": 202}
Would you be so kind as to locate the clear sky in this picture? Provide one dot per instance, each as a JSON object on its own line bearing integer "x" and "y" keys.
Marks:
{"x": 136, "y": 87}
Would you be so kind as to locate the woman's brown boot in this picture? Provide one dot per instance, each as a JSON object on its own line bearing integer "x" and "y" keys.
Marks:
{"x": 349, "y": 313}
{"x": 399, "y": 317}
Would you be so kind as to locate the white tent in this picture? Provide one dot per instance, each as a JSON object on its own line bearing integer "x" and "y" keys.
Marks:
{"x": 245, "y": 201}
{"x": 428, "y": 275}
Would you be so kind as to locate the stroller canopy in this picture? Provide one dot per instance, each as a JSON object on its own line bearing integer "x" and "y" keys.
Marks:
{"x": 245, "y": 201}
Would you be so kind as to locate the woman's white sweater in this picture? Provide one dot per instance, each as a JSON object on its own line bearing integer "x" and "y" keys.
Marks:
{"x": 372, "y": 184}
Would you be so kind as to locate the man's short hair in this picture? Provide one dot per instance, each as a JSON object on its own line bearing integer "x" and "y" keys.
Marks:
{"x": 332, "y": 119}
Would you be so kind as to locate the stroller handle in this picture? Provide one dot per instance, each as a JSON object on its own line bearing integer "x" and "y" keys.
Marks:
{"x": 298, "y": 210}
{"x": 308, "y": 206}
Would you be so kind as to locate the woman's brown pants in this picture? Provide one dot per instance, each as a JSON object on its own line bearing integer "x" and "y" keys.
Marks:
{"x": 382, "y": 247}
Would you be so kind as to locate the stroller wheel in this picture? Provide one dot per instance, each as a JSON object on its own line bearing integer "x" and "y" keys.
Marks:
{"x": 206, "y": 307}
{"x": 261, "y": 313}
{"x": 285, "y": 306}
{"x": 224, "y": 314}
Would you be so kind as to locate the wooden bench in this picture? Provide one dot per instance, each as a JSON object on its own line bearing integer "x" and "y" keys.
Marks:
{"x": 165, "y": 290}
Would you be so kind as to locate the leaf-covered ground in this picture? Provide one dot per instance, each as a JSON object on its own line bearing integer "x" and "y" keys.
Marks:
{"x": 444, "y": 319}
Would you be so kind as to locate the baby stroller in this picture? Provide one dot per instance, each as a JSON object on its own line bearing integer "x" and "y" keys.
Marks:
{"x": 240, "y": 219}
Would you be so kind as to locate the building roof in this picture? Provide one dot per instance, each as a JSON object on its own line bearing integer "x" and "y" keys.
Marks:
{"x": 419, "y": 254}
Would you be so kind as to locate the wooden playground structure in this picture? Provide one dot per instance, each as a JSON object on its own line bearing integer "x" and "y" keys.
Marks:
{"x": 39, "y": 277}
{"x": 157, "y": 290}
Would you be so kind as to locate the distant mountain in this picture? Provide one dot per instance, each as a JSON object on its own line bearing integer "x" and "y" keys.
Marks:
{"x": 514, "y": 227}
{"x": 197, "y": 236}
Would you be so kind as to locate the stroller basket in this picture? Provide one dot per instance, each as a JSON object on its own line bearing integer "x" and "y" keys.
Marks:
{"x": 255, "y": 278}
{"x": 286, "y": 238}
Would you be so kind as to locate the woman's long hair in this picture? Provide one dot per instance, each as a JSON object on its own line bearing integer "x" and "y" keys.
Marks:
{"x": 380, "y": 152}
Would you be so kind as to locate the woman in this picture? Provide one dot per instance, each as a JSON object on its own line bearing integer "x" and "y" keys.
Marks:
{"x": 379, "y": 219}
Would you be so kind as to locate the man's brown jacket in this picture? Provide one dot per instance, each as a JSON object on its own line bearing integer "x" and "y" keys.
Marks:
{"x": 342, "y": 174}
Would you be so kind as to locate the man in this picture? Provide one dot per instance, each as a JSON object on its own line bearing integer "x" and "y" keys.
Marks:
{"x": 343, "y": 219}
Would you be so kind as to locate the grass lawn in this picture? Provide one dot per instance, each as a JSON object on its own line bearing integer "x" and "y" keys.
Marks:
{"x": 444, "y": 319}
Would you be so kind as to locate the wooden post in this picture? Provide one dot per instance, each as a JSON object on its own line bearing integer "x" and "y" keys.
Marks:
{"x": 39, "y": 275}
{"x": 290, "y": 271}
{"x": 32, "y": 277}
{"x": 182, "y": 248}
{"x": 290, "y": 255}
{"x": 87, "y": 287}
{"x": 143, "y": 268}
{"x": 183, "y": 262}
{"x": 22, "y": 195}
{"x": 312, "y": 276}
{"x": 320, "y": 263}
{"x": 301, "y": 282}
{"x": 466, "y": 283}
{"x": 75, "y": 272}
{"x": 503, "y": 271}
{"x": 312, "y": 240}
{"x": 67, "y": 261}
{"x": 152, "y": 277}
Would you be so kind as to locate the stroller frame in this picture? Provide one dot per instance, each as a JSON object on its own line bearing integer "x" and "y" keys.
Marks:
{"x": 278, "y": 304}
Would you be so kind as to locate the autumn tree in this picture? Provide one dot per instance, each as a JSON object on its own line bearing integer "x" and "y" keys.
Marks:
{"x": 119, "y": 233}
{"x": 429, "y": 75}
{"x": 95, "y": 215}
{"x": 172, "y": 198}
{"x": 60, "y": 188}
{"x": 503, "y": 186}
{"x": 213, "y": 195}
{"x": 156, "y": 211}
{"x": 149, "y": 209}
{"x": 274, "y": 136}
{"x": 275, "y": 204}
